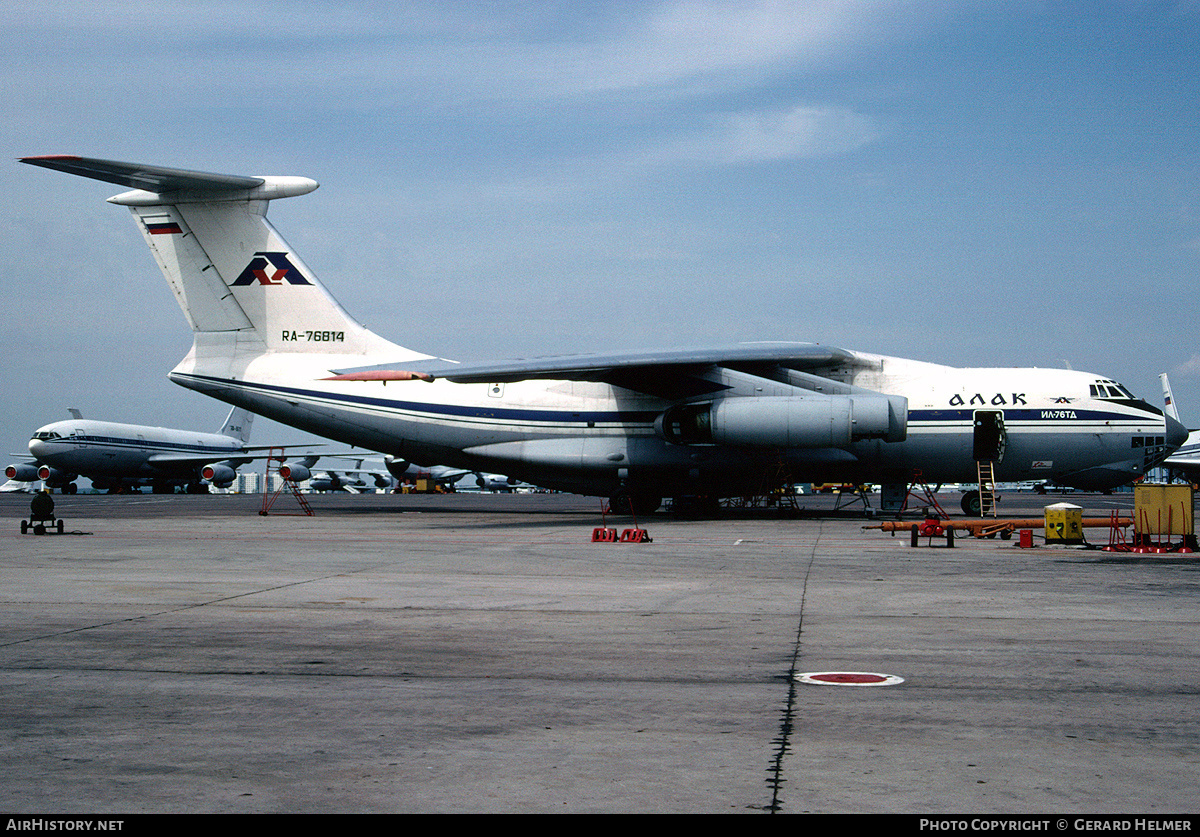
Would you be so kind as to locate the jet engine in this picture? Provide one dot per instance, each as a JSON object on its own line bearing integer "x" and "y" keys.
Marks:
{"x": 222, "y": 476}
{"x": 329, "y": 482}
{"x": 294, "y": 471}
{"x": 396, "y": 467}
{"x": 55, "y": 478}
{"x": 22, "y": 472}
{"x": 803, "y": 421}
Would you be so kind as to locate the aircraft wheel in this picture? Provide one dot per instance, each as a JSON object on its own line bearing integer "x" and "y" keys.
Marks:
{"x": 630, "y": 502}
{"x": 970, "y": 504}
{"x": 620, "y": 503}
{"x": 59, "y": 525}
{"x": 24, "y": 527}
{"x": 39, "y": 529}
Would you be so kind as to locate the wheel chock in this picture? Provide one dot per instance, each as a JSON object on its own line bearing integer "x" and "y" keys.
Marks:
{"x": 604, "y": 535}
{"x": 635, "y": 536}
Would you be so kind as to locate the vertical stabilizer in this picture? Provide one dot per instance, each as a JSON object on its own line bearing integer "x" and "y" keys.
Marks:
{"x": 1168, "y": 398}
{"x": 243, "y": 290}
{"x": 237, "y": 424}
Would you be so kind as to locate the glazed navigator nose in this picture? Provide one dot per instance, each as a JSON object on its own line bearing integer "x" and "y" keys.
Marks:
{"x": 1176, "y": 434}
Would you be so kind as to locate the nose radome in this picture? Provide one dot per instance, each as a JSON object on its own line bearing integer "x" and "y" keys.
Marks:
{"x": 1176, "y": 433}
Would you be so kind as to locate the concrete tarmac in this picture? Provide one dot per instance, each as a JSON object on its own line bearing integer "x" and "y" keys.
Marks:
{"x": 477, "y": 653}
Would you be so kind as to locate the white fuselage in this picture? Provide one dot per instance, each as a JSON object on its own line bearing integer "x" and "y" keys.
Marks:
{"x": 104, "y": 451}
{"x": 595, "y": 437}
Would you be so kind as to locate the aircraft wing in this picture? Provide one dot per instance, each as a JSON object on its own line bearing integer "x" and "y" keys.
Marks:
{"x": 168, "y": 460}
{"x": 240, "y": 456}
{"x": 284, "y": 448}
{"x": 667, "y": 373}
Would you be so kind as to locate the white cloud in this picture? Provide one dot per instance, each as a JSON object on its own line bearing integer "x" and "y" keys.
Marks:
{"x": 1189, "y": 368}
{"x": 693, "y": 42}
{"x": 797, "y": 133}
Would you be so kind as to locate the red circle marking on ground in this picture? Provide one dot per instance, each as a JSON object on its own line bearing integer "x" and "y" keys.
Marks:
{"x": 849, "y": 678}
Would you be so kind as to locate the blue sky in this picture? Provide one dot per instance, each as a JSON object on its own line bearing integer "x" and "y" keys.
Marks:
{"x": 1009, "y": 184}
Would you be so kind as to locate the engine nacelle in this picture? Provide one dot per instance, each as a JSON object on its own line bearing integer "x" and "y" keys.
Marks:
{"x": 22, "y": 472}
{"x": 804, "y": 421}
{"x": 332, "y": 482}
{"x": 54, "y": 477}
{"x": 222, "y": 476}
{"x": 294, "y": 471}
{"x": 396, "y": 467}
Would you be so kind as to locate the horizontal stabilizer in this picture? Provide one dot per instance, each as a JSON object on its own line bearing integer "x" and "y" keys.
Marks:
{"x": 138, "y": 176}
{"x": 157, "y": 185}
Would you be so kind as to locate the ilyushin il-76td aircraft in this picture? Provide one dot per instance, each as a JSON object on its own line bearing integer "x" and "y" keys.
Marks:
{"x": 634, "y": 427}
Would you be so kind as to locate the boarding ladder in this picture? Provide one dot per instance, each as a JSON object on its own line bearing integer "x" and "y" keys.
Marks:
{"x": 987, "y": 487}
{"x": 269, "y": 498}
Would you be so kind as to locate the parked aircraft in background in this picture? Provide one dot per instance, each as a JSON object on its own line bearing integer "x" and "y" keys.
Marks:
{"x": 397, "y": 472}
{"x": 635, "y": 427}
{"x": 338, "y": 481}
{"x": 393, "y": 473}
{"x": 405, "y": 471}
{"x": 1186, "y": 460}
{"x": 121, "y": 456}
{"x": 355, "y": 480}
{"x": 498, "y": 483}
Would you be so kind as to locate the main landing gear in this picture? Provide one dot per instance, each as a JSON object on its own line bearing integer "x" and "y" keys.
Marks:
{"x": 634, "y": 503}
{"x": 971, "y": 504}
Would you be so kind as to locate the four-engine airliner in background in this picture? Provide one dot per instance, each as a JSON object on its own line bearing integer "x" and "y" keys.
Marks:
{"x": 118, "y": 456}
{"x": 634, "y": 427}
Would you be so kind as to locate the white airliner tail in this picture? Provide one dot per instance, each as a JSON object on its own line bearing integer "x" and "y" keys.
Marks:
{"x": 1168, "y": 398}
{"x": 241, "y": 287}
{"x": 237, "y": 424}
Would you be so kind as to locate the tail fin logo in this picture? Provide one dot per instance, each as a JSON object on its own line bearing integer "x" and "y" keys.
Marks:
{"x": 271, "y": 269}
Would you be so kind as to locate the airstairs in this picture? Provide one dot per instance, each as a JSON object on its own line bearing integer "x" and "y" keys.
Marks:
{"x": 987, "y": 487}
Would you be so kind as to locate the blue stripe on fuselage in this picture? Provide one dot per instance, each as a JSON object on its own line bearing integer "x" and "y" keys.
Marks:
{"x": 514, "y": 414}
{"x": 951, "y": 416}
{"x": 139, "y": 444}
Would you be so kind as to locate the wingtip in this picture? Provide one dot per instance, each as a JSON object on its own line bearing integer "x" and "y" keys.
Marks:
{"x": 47, "y": 158}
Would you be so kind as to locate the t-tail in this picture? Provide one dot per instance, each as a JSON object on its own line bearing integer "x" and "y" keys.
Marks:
{"x": 244, "y": 291}
{"x": 237, "y": 424}
{"x": 1171, "y": 408}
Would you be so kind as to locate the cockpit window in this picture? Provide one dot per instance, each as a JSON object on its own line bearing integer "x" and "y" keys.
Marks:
{"x": 46, "y": 435}
{"x": 1111, "y": 389}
